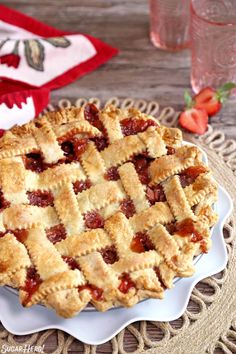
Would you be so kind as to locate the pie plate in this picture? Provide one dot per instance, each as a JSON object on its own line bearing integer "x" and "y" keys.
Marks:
{"x": 92, "y": 327}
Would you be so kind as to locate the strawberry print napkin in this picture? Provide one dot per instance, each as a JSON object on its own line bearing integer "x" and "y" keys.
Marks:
{"x": 35, "y": 59}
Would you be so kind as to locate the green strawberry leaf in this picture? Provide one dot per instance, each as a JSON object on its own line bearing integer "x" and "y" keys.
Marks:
{"x": 224, "y": 91}
{"x": 188, "y": 100}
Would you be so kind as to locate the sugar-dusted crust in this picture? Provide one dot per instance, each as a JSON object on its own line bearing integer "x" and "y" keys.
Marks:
{"x": 13, "y": 258}
{"x": 99, "y": 218}
{"x": 169, "y": 165}
{"x": 133, "y": 187}
{"x": 159, "y": 213}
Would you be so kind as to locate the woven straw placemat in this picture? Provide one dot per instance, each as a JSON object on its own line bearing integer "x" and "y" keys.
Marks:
{"x": 209, "y": 323}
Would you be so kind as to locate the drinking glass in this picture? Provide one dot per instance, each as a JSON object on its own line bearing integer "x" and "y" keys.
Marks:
{"x": 169, "y": 23}
{"x": 213, "y": 43}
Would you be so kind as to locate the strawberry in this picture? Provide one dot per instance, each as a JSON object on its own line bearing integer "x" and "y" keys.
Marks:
{"x": 193, "y": 119}
{"x": 211, "y": 100}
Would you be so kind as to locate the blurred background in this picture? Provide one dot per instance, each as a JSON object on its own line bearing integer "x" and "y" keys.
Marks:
{"x": 139, "y": 71}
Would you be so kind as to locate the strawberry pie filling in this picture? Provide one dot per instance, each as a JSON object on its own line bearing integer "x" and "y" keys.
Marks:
{"x": 80, "y": 186}
{"x": 112, "y": 174}
{"x": 96, "y": 293}
{"x": 132, "y": 126}
{"x": 189, "y": 175}
{"x": 32, "y": 284}
{"x": 56, "y": 233}
{"x": 34, "y": 162}
{"x": 186, "y": 228}
{"x": 170, "y": 150}
{"x": 109, "y": 255}
{"x": 21, "y": 235}
{"x": 141, "y": 243}
{"x": 40, "y": 198}
{"x": 73, "y": 149}
{"x": 100, "y": 142}
{"x": 141, "y": 164}
{"x": 126, "y": 283}
{"x": 71, "y": 262}
{"x": 127, "y": 207}
{"x": 91, "y": 114}
{"x": 93, "y": 220}
{"x": 155, "y": 194}
{"x": 3, "y": 202}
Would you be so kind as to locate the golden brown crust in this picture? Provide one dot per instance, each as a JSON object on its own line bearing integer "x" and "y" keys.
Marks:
{"x": 133, "y": 187}
{"x": 13, "y": 258}
{"x": 170, "y": 165}
{"x": 125, "y": 258}
{"x": 177, "y": 201}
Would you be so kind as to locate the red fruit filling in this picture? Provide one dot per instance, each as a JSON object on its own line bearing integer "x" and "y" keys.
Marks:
{"x": 127, "y": 207}
{"x": 32, "y": 284}
{"x": 40, "y": 198}
{"x": 3, "y": 202}
{"x": 96, "y": 292}
{"x": 126, "y": 283}
{"x": 189, "y": 175}
{"x": 141, "y": 243}
{"x": 21, "y": 235}
{"x": 112, "y": 174}
{"x": 155, "y": 194}
{"x": 80, "y": 186}
{"x": 109, "y": 255}
{"x": 170, "y": 150}
{"x": 141, "y": 164}
{"x": 100, "y": 142}
{"x": 131, "y": 126}
{"x": 56, "y": 233}
{"x": 74, "y": 148}
{"x": 91, "y": 114}
{"x": 93, "y": 220}
{"x": 171, "y": 228}
{"x": 34, "y": 162}
{"x": 71, "y": 262}
{"x": 187, "y": 228}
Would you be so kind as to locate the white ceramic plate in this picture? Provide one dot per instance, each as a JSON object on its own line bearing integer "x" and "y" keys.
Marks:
{"x": 92, "y": 327}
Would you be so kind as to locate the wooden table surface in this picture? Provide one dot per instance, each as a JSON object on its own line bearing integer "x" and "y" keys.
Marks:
{"x": 140, "y": 70}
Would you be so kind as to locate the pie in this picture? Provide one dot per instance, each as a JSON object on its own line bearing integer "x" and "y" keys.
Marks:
{"x": 100, "y": 206}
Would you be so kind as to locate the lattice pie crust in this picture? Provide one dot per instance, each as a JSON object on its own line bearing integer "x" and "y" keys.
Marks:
{"x": 106, "y": 207}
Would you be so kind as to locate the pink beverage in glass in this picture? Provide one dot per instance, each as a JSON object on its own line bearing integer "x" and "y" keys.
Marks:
{"x": 169, "y": 22}
{"x": 213, "y": 42}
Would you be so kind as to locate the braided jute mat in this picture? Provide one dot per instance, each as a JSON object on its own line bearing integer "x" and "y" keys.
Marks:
{"x": 209, "y": 323}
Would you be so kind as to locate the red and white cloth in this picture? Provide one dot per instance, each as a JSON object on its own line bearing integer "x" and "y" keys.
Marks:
{"x": 36, "y": 58}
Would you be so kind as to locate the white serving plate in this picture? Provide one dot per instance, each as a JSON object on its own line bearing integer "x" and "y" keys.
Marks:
{"x": 92, "y": 327}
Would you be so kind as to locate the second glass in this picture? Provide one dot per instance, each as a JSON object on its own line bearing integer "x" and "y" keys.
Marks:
{"x": 213, "y": 42}
{"x": 169, "y": 23}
